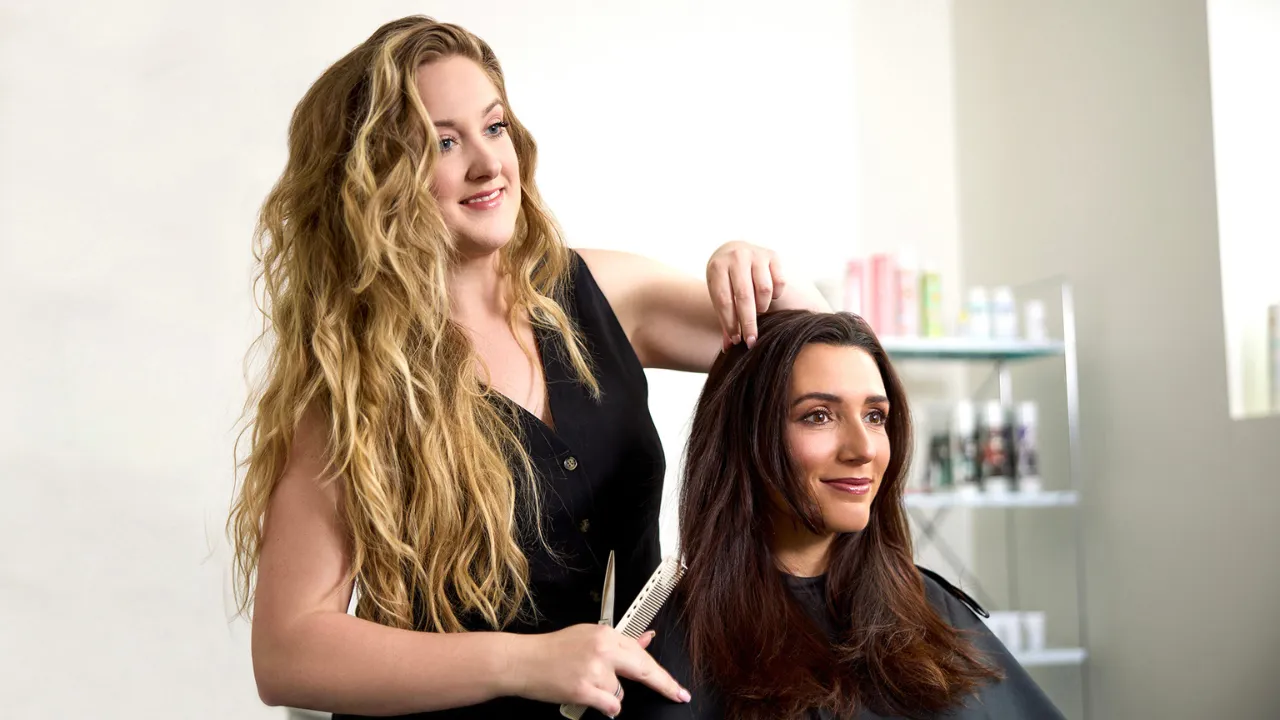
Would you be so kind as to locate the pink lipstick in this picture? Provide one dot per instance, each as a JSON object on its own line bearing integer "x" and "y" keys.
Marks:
{"x": 853, "y": 486}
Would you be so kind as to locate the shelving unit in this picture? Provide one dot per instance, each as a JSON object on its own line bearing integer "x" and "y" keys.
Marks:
{"x": 970, "y": 349}
{"x": 927, "y": 509}
{"x": 933, "y": 501}
{"x": 1052, "y": 657}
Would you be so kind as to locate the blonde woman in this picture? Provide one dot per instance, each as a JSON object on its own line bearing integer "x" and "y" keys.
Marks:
{"x": 454, "y": 418}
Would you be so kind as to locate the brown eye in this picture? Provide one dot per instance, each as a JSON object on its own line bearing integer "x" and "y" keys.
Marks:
{"x": 877, "y": 417}
{"x": 818, "y": 417}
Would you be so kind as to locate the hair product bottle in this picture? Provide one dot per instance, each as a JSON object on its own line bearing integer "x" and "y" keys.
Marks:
{"x": 940, "y": 475}
{"x": 931, "y": 304}
{"x": 908, "y": 295}
{"x": 882, "y": 283}
{"x": 1033, "y": 321}
{"x": 996, "y": 447}
{"x": 855, "y": 287}
{"x": 1026, "y": 451}
{"x": 1004, "y": 314}
{"x": 965, "y": 462}
{"x": 979, "y": 313}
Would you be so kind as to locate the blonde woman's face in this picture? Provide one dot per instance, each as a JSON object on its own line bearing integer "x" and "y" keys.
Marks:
{"x": 477, "y": 181}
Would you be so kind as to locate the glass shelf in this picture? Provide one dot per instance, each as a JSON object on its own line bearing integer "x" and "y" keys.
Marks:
{"x": 962, "y": 348}
{"x": 1051, "y": 656}
{"x": 1055, "y": 498}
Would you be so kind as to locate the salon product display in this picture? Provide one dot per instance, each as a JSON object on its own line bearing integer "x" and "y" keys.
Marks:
{"x": 991, "y": 449}
{"x": 899, "y": 297}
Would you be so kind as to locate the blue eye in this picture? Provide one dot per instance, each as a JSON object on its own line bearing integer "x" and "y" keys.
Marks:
{"x": 446, "y": 144}
{"x": 498, "y": 128}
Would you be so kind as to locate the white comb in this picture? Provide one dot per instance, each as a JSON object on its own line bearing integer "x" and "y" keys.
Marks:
{"x": 640, "y": 615}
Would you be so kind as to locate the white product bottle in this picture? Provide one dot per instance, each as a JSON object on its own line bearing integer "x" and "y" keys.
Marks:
{"x": 1033, "y": 321}
{"x": 965, "y": 460}
{"x": 1033, "y": 635}
{"x": 1026, "y": 449}
{"x": 979, "y": 313}
{"x": 918, "y": 479}
{"x": 1006, "y": 625}
{"x": 1004, "y": 314}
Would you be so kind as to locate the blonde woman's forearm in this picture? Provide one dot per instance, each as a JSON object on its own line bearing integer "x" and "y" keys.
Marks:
{"x": 339, "y": 663}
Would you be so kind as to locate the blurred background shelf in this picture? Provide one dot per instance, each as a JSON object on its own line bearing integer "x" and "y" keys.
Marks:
{"x": 1055, "y": 498}
{"x": 1050, "y": 657}
{"x": 976, "y": 349}
{"x": 928, "y": 510}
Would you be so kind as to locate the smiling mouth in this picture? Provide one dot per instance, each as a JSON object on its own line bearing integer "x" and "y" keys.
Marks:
{"x": 475, "y": 199}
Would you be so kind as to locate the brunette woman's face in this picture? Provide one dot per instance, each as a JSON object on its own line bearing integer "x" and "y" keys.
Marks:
{"x": 837, "y": 413}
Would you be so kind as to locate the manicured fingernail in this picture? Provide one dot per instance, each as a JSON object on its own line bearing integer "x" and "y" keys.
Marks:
{"x": 685, "y": 696}
{"x": 751, "y": 341}
{"x": 650, "y": 635}
{"x": 736, "y": 339}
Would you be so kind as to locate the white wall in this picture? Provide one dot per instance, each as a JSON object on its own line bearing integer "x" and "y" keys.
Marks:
{"x": 905, "y": 122}
{"x": 906, "y": 191}
{"x": 138, "y": 139}
{"x": 1244, "y": 53}
{"x": 1086, "y": 147}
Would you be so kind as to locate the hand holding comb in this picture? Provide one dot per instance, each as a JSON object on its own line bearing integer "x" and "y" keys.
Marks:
{"x": 640, "y": 615}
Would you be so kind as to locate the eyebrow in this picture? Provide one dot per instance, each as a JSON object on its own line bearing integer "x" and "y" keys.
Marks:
{"x": 828, "y": 397}
{"x": 454, "y": 124}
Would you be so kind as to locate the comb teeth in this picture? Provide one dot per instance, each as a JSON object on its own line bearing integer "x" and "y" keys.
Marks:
{"x": 651, "y": 598}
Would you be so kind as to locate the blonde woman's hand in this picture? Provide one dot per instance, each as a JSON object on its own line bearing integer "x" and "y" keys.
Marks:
{"x": 582, "y": 665}
{"x": 743, "y": 280}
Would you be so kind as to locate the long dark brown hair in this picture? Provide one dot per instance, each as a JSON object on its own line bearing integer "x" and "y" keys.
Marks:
{"x": 748, "y": 635}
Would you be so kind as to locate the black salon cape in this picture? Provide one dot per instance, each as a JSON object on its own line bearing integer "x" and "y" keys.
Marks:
{"x": 1017, "y": 696}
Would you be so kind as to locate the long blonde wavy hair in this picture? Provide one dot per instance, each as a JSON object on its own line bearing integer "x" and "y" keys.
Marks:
{"x": 353, "y": 259}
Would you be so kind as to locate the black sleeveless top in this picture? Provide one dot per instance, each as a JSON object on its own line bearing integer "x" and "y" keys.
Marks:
{"x": 600, "y": 481}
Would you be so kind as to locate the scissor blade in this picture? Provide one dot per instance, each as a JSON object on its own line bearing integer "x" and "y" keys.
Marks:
{"x": 606, "y": 597}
